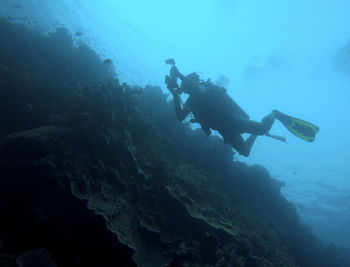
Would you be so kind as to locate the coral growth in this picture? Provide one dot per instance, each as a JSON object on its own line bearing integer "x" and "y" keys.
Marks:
{"x": 98, "y": 173}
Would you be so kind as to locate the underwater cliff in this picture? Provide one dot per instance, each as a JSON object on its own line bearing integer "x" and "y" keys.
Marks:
{"x": 95, "y": 172}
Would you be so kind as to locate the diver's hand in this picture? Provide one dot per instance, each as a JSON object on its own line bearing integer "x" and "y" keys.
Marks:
{"x": 172, "y": 90}
{"x": 175, "y": 92}
{"x": 174, "y": 72}
{"x": 172, "y": 85}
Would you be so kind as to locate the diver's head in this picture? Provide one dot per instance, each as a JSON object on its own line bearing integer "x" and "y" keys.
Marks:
{"x": 193, "y": 77}
{"x": 190, "y": 85}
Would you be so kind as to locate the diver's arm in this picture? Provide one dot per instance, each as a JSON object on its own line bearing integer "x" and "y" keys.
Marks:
{"x": 181, "y": 112}
{"x": 174, "y": 72}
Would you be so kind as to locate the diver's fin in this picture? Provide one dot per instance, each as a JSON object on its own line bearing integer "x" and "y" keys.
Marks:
{"x": 300, "y": 128}
{"x": 277, "y": 137}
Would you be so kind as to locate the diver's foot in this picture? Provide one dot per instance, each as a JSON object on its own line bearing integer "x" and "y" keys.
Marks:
{"x": 275, "y": 114}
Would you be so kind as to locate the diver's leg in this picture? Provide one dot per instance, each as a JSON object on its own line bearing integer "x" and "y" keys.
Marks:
{"x": 258, "y": 128}
{"x": 250, "y": 142}
{"x": 241, "y": 146}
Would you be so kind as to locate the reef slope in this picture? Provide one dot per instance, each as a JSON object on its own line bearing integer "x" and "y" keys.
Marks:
{"x": 98, "y": 173}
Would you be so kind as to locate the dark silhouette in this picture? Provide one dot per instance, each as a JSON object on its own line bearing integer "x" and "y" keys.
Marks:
{"x": 214, "y": 109}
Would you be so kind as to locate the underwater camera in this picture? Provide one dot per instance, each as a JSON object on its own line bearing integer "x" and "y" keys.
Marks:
{"x": 170, "y": 61}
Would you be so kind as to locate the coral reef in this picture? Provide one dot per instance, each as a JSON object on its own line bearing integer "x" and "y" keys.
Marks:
{"x": 98, "y": 173}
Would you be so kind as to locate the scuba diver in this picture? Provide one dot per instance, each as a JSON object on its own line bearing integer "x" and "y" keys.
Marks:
{"x": 214, "y": 109}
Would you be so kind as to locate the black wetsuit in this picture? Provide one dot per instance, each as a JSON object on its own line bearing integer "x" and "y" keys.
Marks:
{"x": 213, "y": 108}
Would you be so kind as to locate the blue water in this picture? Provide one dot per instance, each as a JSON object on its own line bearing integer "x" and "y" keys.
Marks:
{"x": 276, "y": 54}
